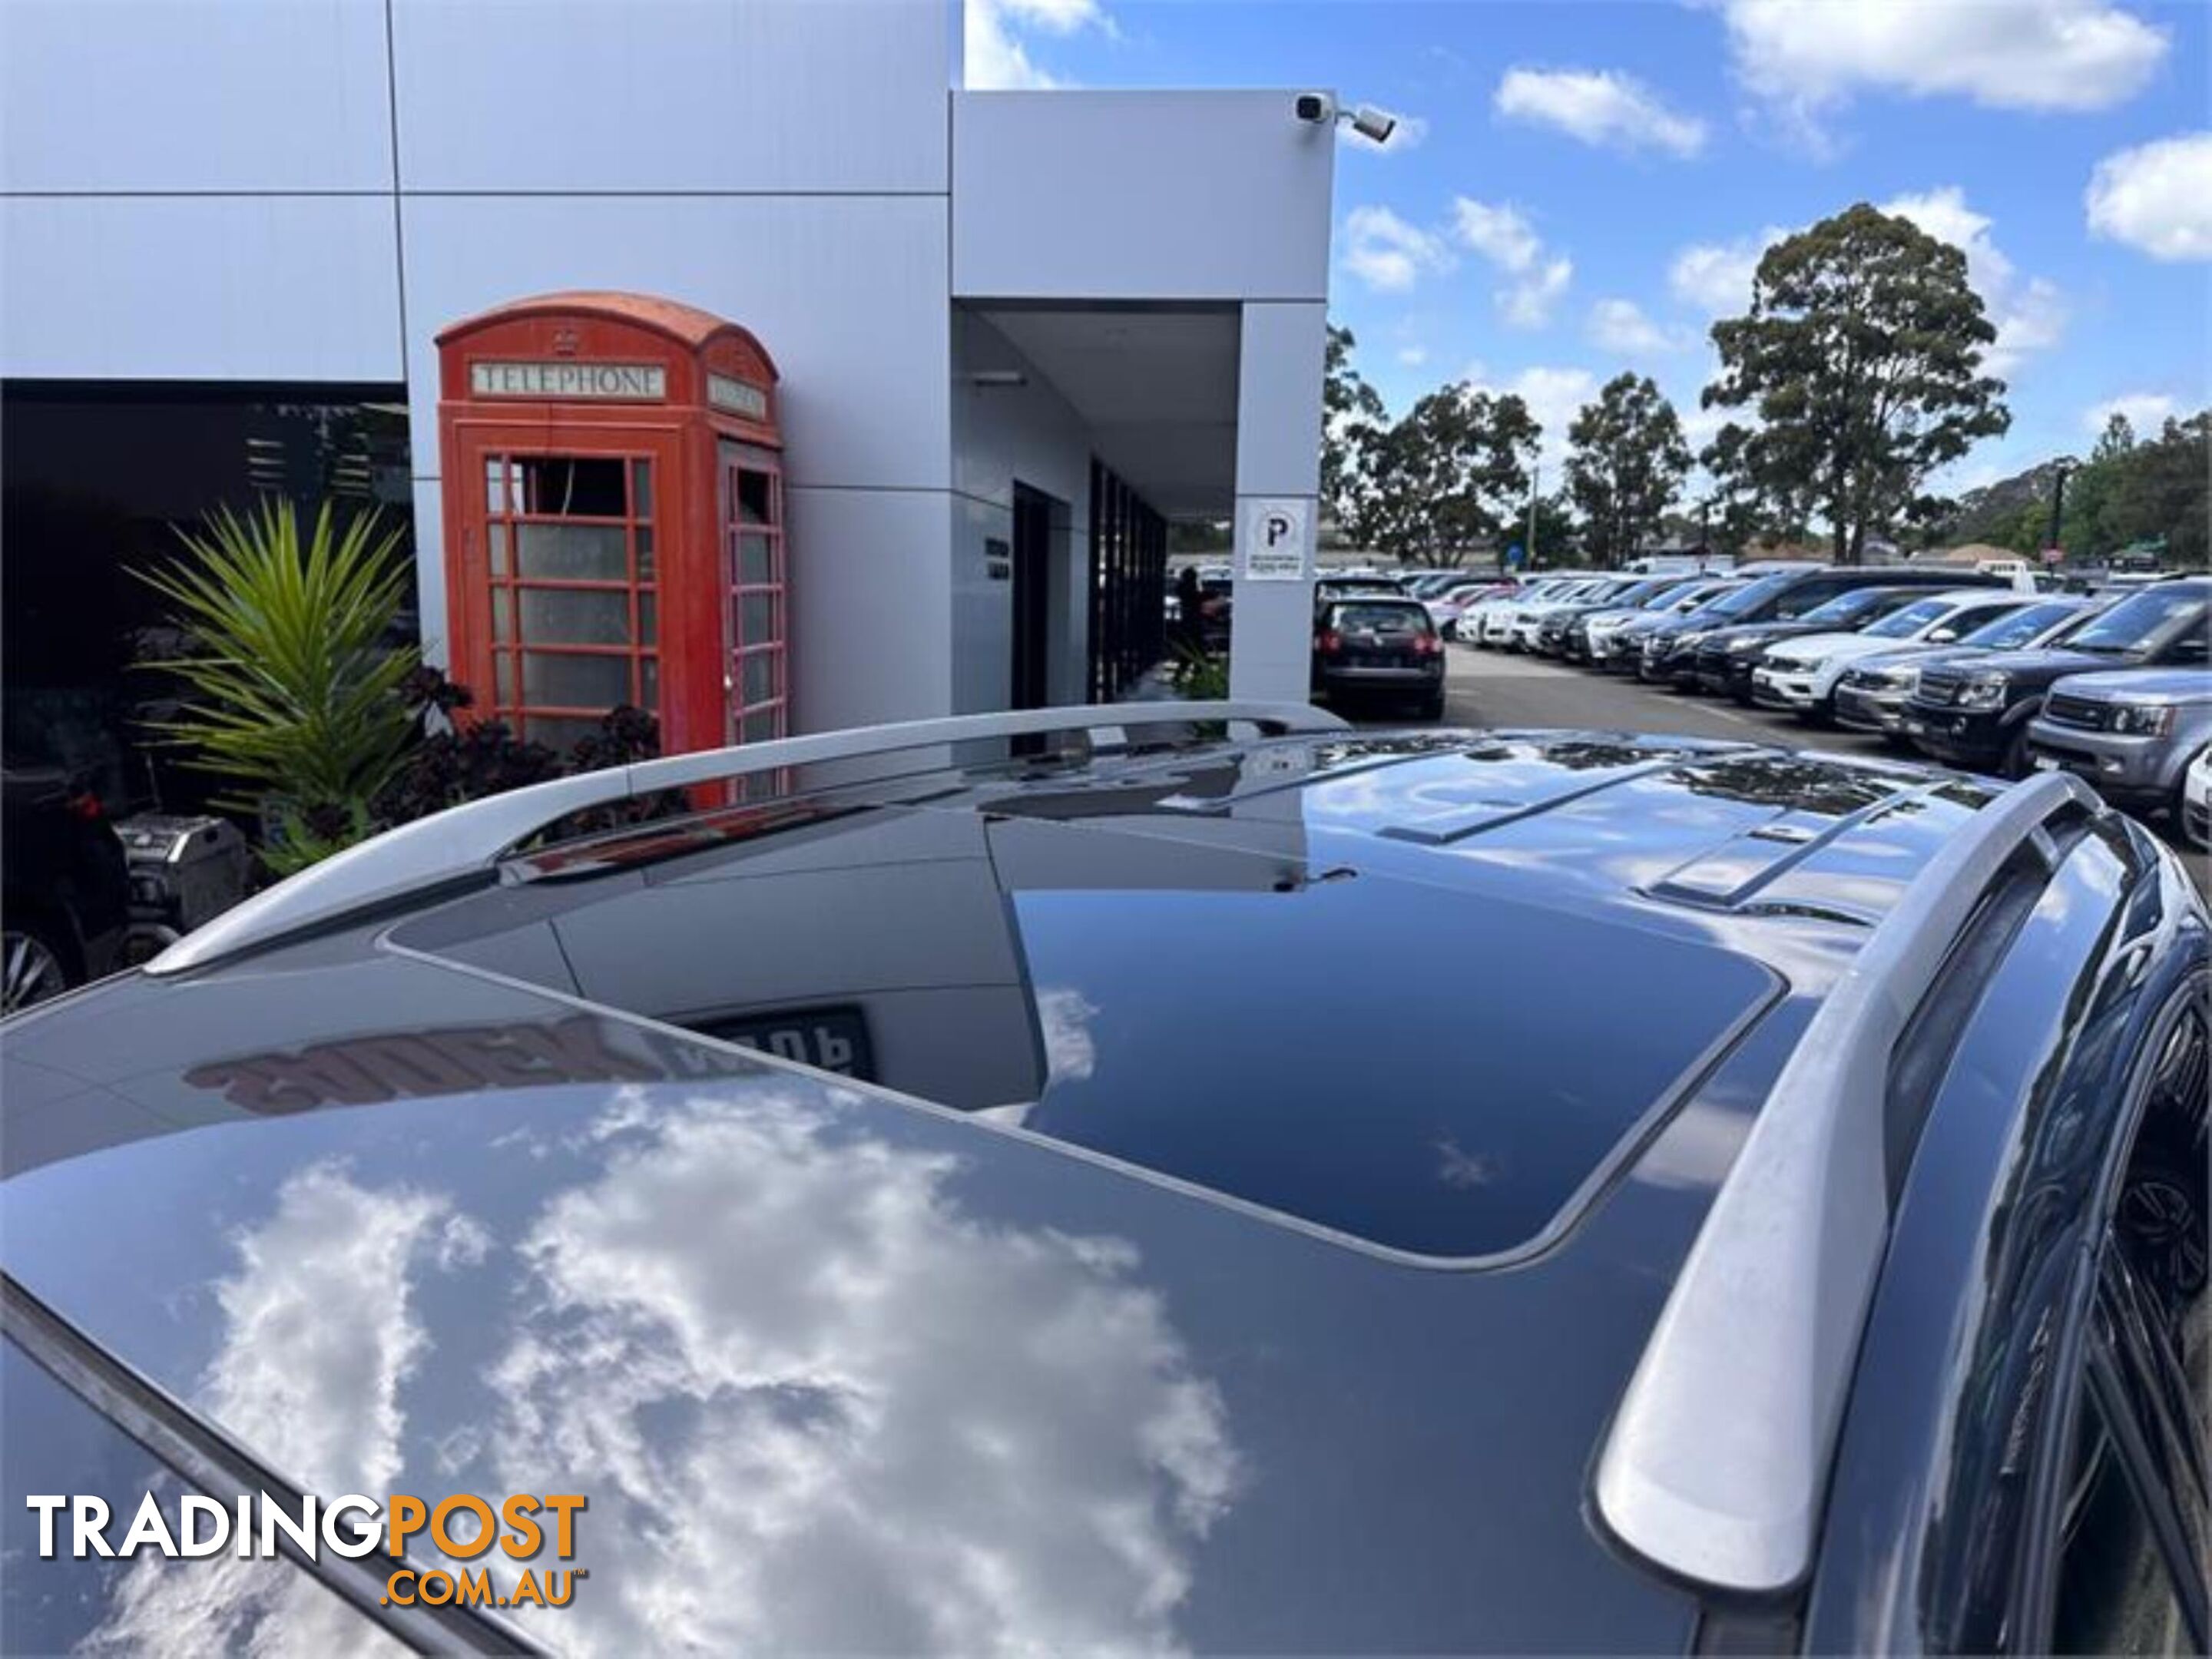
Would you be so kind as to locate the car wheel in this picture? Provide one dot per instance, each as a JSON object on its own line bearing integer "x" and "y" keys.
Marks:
{"x": 34, "y": 966}
{"x": 2014, "y": 763}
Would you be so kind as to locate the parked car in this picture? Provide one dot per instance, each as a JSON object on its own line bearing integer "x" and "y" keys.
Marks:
{"x": 1801, "y": 675}
{"x": 1975, "y": 713}
{"x": 1616, "y": 638}
{"x": 964, "y": 1209}
{"x": 64, "y": 888}
{"x": 2129, "y": 734}
{"x": 1556, "y": 621}
{"x": 1379, "y": 647}
{"x": 1871, "y": 695}
{"x": 1500, "y": 620}
{"x": 1528, "y": 626}
{"x": 2196, "y": 799}
{"x": 1651, "y": 595}
{"x": 1677, "y": 653}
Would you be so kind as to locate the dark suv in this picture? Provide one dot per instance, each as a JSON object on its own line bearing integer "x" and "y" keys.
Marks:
{"x": 1671, "y": 651}
{"x": 999, "y": 1206}
{"x": 1372, "y": 647}
{"x": 1975, "y": 711}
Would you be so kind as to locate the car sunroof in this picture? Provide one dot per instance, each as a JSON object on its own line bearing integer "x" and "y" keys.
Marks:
{"x": 1415, "y": 1067}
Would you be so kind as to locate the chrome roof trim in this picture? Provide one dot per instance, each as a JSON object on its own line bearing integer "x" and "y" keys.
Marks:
{"x": 472, "y": 837}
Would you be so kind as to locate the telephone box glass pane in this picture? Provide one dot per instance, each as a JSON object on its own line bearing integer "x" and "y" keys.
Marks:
{"x": 644, "y": 554}
{"x": 562, "y": 616}
{"x": 640, "y": 489}
{"x": 502, "y": 614}
{"x": 573, "y": 552}
{"x": 648, "y": 621}
{"x": 761, "y": 725}
{"x": 574, "y": 682}
{"x": 496, "y": 535}
{"x": 648, "y": 674}
{"x": 755, "y": 618}
{"x": 573, "y": 486}
{"x": 756, "y": 566}
{"x": 495, "y": 475}
{"x": 503, "y": 680}
{"x": 756, "y": 677}
{"x": 754, "y": 498}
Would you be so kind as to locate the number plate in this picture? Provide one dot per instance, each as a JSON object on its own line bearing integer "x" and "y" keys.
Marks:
{"x": 828, "y": 1039}
{"x": 2045, "y": 763}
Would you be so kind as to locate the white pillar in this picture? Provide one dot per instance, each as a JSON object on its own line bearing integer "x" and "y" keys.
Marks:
{"x": 1279, "y": 381}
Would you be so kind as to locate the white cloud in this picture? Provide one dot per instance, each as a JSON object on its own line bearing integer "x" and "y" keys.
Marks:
{"x": 1716, "y": 276}
{"x": 995, "y": 57}
{"x": 900, "y": 1426}
{"x": 1408, "y": 133}
{"x": 2028, "y": 319}
{"x": 1527, "y": 303}
{"x": 1413, "y": 357}
{"x": 1501, "y": 233}
{"x": 2156, "y": 197}
{"x": 1554, "y": 396}
{"x": 1805, "y": 56}
{"x": 1389, "y": 254}
{"x": 1599, "y": 106}
{"x": 1944, "y": 215}
{"x": 1621, "y": 325}
{"x": 2146, "y": 412}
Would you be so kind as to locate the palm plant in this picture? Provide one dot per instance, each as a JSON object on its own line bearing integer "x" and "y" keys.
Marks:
{"x": 292, "y": 688}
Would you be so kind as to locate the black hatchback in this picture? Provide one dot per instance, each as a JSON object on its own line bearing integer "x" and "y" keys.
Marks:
{"x": 1371, "y": 648}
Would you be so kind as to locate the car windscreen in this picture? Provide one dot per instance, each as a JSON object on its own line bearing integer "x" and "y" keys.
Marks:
{"x": 1403, "y": 617}
{"x": 1749, "y": 598}
{"x": 1848, "y": 609}
{"x": 1905, "y": 623}
{"x": 2142, "y": 619}
{"x": 2019, "y": 628}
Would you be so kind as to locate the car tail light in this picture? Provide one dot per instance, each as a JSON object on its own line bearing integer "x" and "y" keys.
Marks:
{"x": 1424, "y": 644}
{"x": 86, "y": 806}
{"x": 1330, "y": 642}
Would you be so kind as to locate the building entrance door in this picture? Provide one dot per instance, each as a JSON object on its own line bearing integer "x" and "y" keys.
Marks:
{"x": 1032, "y": 607}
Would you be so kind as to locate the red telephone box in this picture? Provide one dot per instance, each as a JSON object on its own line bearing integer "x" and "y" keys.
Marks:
{"x": 614, "y": 519}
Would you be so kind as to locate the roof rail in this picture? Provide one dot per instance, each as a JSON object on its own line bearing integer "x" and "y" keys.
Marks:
{"x": 1716, "y": 1463}
{"x": 473, "y": 836}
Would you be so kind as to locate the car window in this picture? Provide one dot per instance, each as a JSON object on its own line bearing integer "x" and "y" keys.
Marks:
{"x": 2139, "y": 619}
{"x": 2009, "y": 632}
{"x": 1905, "y": 623}
{"x": 1750, "y": 597}
{"x": 1840, "y": 610}
{"x": 1400, "y": 618}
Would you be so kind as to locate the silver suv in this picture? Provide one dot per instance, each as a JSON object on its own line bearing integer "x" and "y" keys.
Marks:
{"x": 2130, "y": 732}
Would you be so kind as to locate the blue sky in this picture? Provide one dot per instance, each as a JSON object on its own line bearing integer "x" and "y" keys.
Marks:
{"x": 1581, "y": 186}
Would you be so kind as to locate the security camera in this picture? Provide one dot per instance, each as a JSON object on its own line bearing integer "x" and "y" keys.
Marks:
{"x": 1316, "y": 107}
{"x": 1373, "y": 125}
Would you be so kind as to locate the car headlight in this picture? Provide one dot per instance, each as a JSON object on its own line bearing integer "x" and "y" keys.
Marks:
{"x": 1983, "y": 691}
{"x": 2144, "y": 720}
{"x": 1743, "y": 647}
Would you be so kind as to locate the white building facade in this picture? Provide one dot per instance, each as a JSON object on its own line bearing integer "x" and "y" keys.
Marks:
{"x": 985, "y": 307}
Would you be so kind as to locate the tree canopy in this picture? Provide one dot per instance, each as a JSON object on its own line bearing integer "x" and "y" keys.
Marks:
{"x": 1624, "y": 466}
{"x": 1861, "y": 358}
